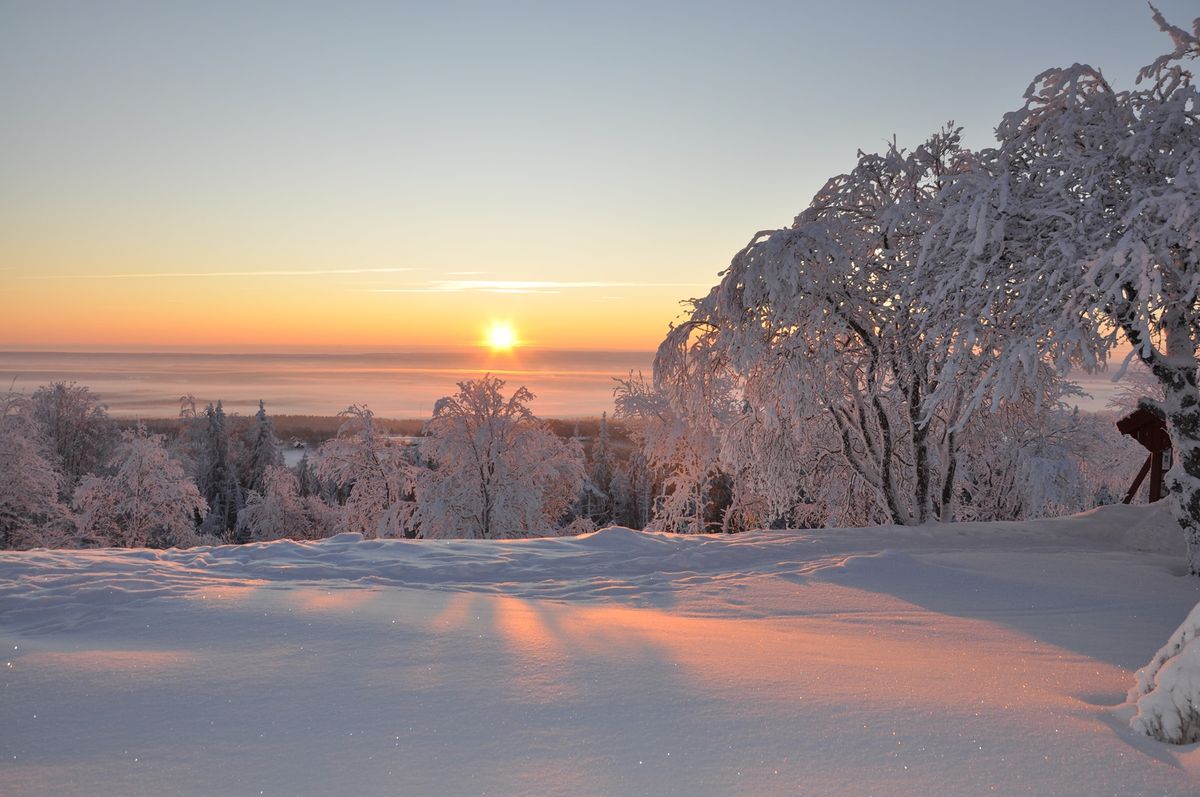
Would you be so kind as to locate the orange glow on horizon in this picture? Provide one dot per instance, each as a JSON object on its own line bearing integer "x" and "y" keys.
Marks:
{"x": 263, "y": 313}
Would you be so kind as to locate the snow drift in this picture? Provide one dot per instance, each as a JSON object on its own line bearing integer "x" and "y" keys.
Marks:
{"x": 965, "y": 659}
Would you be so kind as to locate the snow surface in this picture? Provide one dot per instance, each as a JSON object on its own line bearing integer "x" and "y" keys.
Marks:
{"x": 953, "y": 660}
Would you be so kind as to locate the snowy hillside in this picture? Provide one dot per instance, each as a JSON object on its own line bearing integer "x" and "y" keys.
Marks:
{"x": 958, "y": 660}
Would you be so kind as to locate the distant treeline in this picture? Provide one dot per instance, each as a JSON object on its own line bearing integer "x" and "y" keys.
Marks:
{"x": 312, "y": 430}
{"x": 482, "y": 466}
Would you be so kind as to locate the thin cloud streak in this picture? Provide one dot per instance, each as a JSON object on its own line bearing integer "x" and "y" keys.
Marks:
{"x": 206, "y": 274}
{"x": 527, "y": 286}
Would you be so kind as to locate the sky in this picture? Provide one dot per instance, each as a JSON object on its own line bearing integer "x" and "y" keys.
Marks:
{"x": 399, "y": 176}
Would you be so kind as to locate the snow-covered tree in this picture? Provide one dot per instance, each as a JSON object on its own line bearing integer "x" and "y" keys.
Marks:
{"x": 622, "y": 498}
{"x": 1080, "y": 230}
{"x": 216, "y": 474}
{"x": 680, "y": 446}
{"x": 1166, "y": 692}
{"x": 147, "y": 502}
{"x": 281, "y": 512}
{"x": 495, "y": 470}
{"x": 1021, "y": 458}
{"x": 789, "y": 472}
{"x": 187, "y": 445}
{"x": 375, "y": 473}
{"x": 823, "y": 316}
{"x": 600, "y": 472}
{"x": 307, "y": 480}
{"x": 643, "y": 486}
{"x": 30, "y": 511}
{"x": 261, "y": 451}
{"x": 77, "y": 426}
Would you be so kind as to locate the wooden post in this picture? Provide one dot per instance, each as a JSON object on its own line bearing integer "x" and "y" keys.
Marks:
{"x": 1156, "y": 476}
{"x": 1141, "y": 477}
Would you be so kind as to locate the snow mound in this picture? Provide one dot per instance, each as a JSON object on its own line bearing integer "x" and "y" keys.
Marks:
{"x": 67, "y": 588}
{"x": 1167, "y": 690}
{"x": 959, "y": 659}
{"x": 619, "y": 538}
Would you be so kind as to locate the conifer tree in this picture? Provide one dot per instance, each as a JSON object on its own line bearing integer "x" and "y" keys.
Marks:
{"x": 601, "y": 468}
{"x": 218, "y": 480}
{"x": 262, "y": 450}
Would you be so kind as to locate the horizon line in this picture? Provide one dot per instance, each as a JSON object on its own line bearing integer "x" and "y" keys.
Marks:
{"x": 254, "y": 348}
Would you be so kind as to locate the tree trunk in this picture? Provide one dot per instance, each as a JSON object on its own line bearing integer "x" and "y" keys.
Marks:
{"x": 1177, "y": 372}
{"x": 1182, "y": 407}
{"x": 947, "y": 509}
{"x": 920, "y": 443}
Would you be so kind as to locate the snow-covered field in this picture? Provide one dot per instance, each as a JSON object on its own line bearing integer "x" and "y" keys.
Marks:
{"x": 960, "y": 660}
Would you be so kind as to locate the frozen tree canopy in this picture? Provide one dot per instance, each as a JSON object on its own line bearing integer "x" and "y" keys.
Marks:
{"x": 816, "y": 348}
{"x": 77, "y": 426}
{"x": 681, "y": 444}
{"x": 262, "y": 450}
{"x": 30, "y": 511}
{"x": 374, "y": 469}
{"x": 494, "y": 469}
{"x": 280, "y": 511}
{"x": 147, "y": 501}
{"x": 1080, "y": 229}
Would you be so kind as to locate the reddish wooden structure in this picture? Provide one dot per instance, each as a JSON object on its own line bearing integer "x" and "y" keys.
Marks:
{"x": 1150, "y": 430}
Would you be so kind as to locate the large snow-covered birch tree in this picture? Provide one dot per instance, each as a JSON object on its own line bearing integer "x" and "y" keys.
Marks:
{"x": 821, "y": 315}
{"x": 1079, "y": 231}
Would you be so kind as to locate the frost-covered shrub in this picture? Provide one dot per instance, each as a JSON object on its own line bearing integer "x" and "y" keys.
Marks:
{"x": 1167, "y": 692}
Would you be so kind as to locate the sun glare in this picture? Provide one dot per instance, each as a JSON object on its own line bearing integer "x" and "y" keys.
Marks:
{"x": 501, "y": 337}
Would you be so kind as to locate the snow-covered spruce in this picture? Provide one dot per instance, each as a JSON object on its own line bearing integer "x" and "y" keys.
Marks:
{"x": 1167, "y": 692}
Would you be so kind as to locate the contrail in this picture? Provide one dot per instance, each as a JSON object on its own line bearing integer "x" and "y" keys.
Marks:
{"x": 204, "y": 274}
{"x": 526, "y": 286}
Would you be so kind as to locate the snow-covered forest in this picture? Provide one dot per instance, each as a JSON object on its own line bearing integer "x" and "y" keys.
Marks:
{"x": 485, "y": 467}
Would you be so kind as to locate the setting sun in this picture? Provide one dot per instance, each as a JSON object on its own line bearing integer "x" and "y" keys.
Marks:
{"x": 501, "y": 336}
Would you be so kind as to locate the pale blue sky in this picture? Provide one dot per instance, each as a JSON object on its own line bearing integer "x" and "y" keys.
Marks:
{"x": 618, "y": 143}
